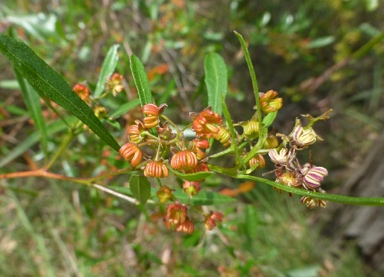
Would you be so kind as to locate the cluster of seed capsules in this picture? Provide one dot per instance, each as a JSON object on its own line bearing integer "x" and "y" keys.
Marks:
{"x": 186, "y": 156}
{"x": 290, "y": 172}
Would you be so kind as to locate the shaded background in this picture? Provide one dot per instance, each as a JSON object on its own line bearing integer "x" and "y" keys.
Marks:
{"x": 304, "y": 50}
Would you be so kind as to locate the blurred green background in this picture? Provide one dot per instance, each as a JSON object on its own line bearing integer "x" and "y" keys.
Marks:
{"x": 311, "y": 52}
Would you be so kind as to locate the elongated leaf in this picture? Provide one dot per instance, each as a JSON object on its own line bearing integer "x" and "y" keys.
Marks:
{"x": 191, "y": 176}
{"x": 107, "y": 69}
{"x": 141, "y": 80}
{"x": 32, "y": 101}
{"x": 216, "y": 80}
{"x": 45, "y": 80}
{"x": 140, "y": 188}
{"x": 34, "y": 138}
{"x": 203, "y": 198}
{"x": 269, "y": 118}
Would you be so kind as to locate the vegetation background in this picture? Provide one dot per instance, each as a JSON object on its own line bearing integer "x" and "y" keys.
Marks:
{"x": 305, "y": 50}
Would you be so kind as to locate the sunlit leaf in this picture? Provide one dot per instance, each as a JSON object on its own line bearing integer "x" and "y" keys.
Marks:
{"x": 140, "y": 188}
{"x": 269, "y": 118}
{"x": 47, "y": 82}
{"x": 191, "y": 176}
{"x": 216, "y": 80}
{"x": 141, "y": 80}
{"x": 107, "y": 69}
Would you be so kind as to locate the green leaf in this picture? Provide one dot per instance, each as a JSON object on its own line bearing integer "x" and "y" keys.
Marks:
{"x": 203, "y": 198}
{"x": 269, "y": 118}
{"x": 32, "y": 101}
{"x": 107, "y": 69}
{"x": 191, "y": 176}
{"x": 141, "y": 80}
{"x": 47, "y": 82}
{"x": 140, "y": 188}
{"x": 125, "y": 108}
{"x": 216, "y": 80}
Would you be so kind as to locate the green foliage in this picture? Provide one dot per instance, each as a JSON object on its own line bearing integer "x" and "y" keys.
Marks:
{"x": 215, "y": 80}
{"x": 109, "y": 66}
{"x": 56, "y": 228}
{"x": 50, "y": 84}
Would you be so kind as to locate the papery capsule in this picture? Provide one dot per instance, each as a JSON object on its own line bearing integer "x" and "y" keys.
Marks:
{"x": 204, "y": 123}
{"x": 131, "y": 153}
{"x": 187, "y": 227}
{"x": 313, "y": 176}
{"x": 223, "y": 136}
{"x": 302, "y": 138}
{"x": 191, "y": 188}
{"x": 184, "y": 160}
{"x": 211, "y": 220}
{"x": 251, "y": 129}
{"x": 164, "y": 194}
{"x": 258, "y": 162}
{"x": 279, "y": 158}
{"x": 134, "y": 132}
{"x": 156, "y": 169}
{"x": 269, "y": 103}
{"x": 271, "y": 142}
{"x": 176, "y": 213}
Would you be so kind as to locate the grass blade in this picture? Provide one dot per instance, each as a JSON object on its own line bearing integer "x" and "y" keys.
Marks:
{"x": 107, "y": 69}
{"x": 48, "y": 82}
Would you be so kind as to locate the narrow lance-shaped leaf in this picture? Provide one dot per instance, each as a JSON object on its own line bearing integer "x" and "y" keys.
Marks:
{"x": 140, "y": 188}
{"x": 32, "y": 101}
{"x": 141, "y": 80}
{"x": 107, "y": 69}
{"x": 48, "y": 82}
{"x": 216, "y": 80}
{"x": 191, "y": 176}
